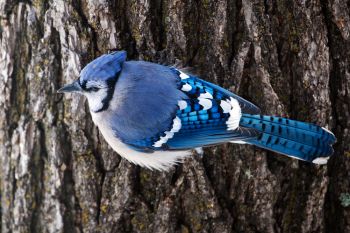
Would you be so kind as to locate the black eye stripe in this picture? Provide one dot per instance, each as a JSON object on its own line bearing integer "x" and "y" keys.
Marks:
{"x": 83, "y": 84}
{"x": 111, "y": 85}
{"x": 92, "y": 89}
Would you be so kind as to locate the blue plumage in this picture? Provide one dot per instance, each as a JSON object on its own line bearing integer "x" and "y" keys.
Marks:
{"x": 153, "y": 114}
{"x": 199, "y": 127}
{"x": 294, "y": 138}
{"x": 146, "y": 104}
{"x": 104, "y": 68}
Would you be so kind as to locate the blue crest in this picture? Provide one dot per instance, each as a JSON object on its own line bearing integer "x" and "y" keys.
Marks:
{"x": 104, "y": 67}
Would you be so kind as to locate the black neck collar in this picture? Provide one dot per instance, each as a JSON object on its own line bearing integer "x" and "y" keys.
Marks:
{"x": 111, "y": 87}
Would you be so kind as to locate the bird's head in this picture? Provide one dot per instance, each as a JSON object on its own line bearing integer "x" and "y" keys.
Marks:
{"x": 97, "y": 80}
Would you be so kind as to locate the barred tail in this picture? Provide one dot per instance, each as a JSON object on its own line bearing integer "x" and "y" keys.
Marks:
{"x": 296, "y": 139}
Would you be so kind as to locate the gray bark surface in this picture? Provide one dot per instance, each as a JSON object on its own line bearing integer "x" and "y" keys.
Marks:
{"x": 57, "y": 174}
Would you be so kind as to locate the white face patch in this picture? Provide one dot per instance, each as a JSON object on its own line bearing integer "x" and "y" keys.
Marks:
{"x": 95, "y": 99}
{"x": 169, "y": 134}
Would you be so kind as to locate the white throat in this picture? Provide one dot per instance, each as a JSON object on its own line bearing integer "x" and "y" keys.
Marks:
{"x": 95, "y": 99}
{"x": 158, "y": 160}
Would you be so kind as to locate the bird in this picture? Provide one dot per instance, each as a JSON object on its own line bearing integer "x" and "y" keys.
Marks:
{"x": 155, "y": 115}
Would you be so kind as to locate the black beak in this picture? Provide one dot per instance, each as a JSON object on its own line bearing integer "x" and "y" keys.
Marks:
{"x": 73, "y": 87}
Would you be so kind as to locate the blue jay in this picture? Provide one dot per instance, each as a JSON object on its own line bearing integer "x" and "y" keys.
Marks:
{"x": 154, "y": 115}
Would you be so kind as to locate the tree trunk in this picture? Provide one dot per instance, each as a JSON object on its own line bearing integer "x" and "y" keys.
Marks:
{"x": 291, "y": 58}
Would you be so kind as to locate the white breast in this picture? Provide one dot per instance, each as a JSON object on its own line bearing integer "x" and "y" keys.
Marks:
{"x": 159, "y": 160}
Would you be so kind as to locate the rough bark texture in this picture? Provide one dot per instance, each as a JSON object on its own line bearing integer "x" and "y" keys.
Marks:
{"x": 292, "y": 58}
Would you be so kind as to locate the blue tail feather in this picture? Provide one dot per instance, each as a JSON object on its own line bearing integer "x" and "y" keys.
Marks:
{"x": 302, "y": 140}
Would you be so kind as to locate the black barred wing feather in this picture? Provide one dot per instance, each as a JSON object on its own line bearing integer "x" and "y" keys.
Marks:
{"x": 206, "y": 127}
{"x": 196, "y": 87}
{"x": 208, "y": 115}
{"x": 211, "y": 115}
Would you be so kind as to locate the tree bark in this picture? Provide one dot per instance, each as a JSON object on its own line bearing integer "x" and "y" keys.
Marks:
{"x": 291, "y": 58}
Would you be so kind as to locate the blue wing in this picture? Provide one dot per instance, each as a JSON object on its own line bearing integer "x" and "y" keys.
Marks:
{"x": 144, "y": 103}
{"x": 205, "y": 127}
{"x": 200, "y": 126}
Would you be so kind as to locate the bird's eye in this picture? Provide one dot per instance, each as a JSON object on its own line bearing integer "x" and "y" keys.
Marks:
{"x": 92, "y": 89}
